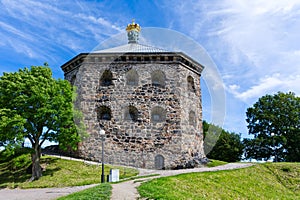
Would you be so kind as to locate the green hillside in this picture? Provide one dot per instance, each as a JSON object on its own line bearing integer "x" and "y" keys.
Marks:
{"x": 262, "y": 181}
{"x": 56, "y": 173}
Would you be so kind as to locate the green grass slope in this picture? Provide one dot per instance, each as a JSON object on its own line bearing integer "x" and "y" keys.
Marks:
{"x": 102, "y": 191}
{"x": 262, "y": 181}
{"x": 57, "y": 173}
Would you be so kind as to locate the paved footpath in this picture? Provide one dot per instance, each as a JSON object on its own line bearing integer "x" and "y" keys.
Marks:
{"x": 121, "y": 191}
{"x": 39, "y": 194}
{"x": 127, "y": 190}
{"x": 44, "y": 193}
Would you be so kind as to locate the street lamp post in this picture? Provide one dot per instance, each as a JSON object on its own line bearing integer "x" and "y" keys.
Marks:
{"x": 102, "y": 134}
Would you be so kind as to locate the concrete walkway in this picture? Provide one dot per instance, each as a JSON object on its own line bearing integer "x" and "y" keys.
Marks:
{"x": 127, "y": 190}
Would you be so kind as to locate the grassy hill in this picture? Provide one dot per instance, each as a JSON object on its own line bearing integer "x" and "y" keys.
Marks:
{"x": 262, "y": 181}
{"x": 57, "y": 173}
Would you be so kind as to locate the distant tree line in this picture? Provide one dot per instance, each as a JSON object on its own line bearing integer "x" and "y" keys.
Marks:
{"x": 222, "y": 145}
{"x": 274, "y": 123}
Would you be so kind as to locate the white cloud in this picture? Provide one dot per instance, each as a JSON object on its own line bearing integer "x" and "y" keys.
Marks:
{"x": 268, "y": 84}
{"x": 251, "y": 41}
{"x": 261, "y": 30}
{"x": 255, "y": 45}
{"x": 234, "y": 87}
{"x": 12, "y": 30}
{"x": 64, "y": 25}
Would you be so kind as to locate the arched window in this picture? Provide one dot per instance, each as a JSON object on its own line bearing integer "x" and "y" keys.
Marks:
{"x": 106, "y": 78}
{"x": 158, "y": 114}
{"x": 132, "y": 77}
{"x": 131, "y": 113}
{"x": 191, "y": 84}
{"x": 73, "y": 79}
{"x": 192, "y": 119}
{"x": 158, "y": 78}
{"x": 103, "y": 113}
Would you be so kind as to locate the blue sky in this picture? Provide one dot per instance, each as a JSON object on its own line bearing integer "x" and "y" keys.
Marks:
{"x": 254, "y": 44}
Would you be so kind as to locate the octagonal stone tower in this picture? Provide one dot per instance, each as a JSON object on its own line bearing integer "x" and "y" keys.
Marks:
{"x": 147, "y": 100}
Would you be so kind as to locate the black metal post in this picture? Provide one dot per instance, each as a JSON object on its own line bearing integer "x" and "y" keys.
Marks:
{"x": 102, "y": 175}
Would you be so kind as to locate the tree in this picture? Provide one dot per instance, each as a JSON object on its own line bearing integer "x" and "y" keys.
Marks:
{"x": 35, "y": 106}
{"x": 211, "y": 134}
{"x": 224, "y": 145}
{"x": 255, "y": 149}
{"x": 274, "y": 120}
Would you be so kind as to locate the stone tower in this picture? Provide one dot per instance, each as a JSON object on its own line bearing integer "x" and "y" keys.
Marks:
{"x": 147, "y": 100}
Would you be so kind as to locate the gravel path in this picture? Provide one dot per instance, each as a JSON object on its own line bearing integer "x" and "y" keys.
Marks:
{"x": 39, "y": 194}
{"x": 127, "y": 190}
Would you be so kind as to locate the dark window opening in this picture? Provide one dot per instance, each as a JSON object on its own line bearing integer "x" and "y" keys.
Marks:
{"x": 106, "y": 78}
{"x": 131, "y": 114}
{"x": 191, "y": 84}
{"x": 103, "y": 113}
{"x": 73, "y": 79}
{"x": 132, "y": 77}
{"x": 158, "y": 114}
{"x": 158, "y": 78}
{"x": 192, "y": 119}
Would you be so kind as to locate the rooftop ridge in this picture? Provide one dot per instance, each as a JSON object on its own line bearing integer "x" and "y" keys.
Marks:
{"x": 132, "y": 48}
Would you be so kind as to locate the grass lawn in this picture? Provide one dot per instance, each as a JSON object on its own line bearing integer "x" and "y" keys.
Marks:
{"x": 102, "y": 191}
{"x": 262, "y": 181}
{"x": 214, "y": 163}
{"x": 58, "y": 173}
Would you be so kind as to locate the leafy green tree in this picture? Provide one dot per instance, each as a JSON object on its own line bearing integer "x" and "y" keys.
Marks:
{"x": 222, "y": 145}
{"x": 35, "y": 106}
{"x": 255, "y": 149}
{"x": 274, "y": 120}
{"x": 211, "y": 135}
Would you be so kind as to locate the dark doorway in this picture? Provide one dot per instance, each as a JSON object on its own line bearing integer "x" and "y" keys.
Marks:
{"x": 159, "y": 162}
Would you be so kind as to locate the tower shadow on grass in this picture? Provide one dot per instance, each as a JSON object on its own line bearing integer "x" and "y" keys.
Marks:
{"x": 16, "y": 171}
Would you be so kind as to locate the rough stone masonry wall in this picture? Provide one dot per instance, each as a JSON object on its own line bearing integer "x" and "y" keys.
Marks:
{"x": 138, "y": 143}
{"x": 190, "y": 101}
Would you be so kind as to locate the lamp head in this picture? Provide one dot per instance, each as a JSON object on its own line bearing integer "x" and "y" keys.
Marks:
{"x": 102, "y": 132}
